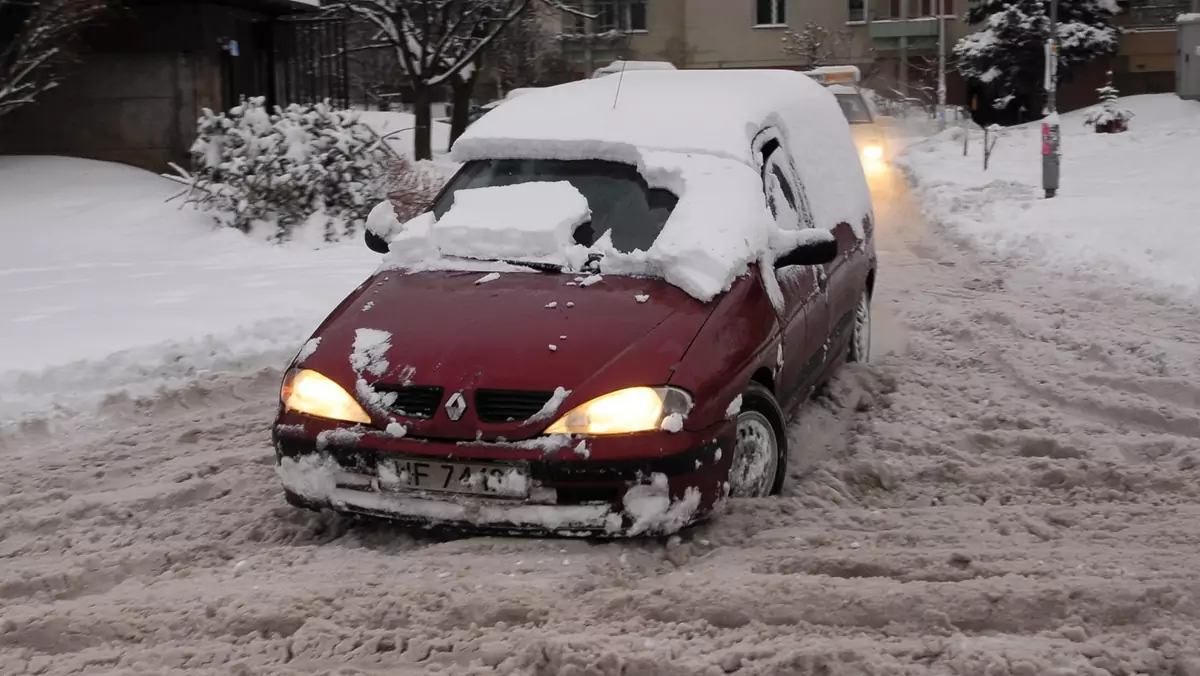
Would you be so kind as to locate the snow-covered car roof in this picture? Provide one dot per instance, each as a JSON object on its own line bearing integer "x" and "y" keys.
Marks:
{"x": 709, "y": 112}
{"x": 697, "y": 134}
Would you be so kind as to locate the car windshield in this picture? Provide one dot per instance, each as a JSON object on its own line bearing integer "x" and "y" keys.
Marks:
{"x": 621, "y": 202}
{"x": 854, "y": 108}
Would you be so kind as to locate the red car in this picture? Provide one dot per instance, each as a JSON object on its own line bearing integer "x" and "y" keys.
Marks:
{"x": 614, "y": 389}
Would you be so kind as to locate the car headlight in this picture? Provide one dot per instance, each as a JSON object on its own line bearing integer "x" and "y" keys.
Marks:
{"x": 635, "y": 409}
{"x": 872, "y": 151}
{"x": 306, "y": 391}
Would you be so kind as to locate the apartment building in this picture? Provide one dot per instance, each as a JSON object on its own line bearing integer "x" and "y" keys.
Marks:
{"x": 876, "y": 35}
{"x": 894, "y": 42}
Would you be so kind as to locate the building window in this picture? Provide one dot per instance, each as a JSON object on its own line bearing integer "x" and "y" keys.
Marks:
{"x": 637, "y": 15}
{"x": 858, "y": 10}
{"x": 616, "y": 16}
{"x": 920, "y": 8}
{"x": 771, "y": 13}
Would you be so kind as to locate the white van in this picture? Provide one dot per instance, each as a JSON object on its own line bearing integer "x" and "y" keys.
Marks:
{"x": 869, "y": 136}
{"x": 619, "y": 65}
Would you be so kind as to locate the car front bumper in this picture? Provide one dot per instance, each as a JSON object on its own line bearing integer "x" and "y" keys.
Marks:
{"x": 620, "y": 486}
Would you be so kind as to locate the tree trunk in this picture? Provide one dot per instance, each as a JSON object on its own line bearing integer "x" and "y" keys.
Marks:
{"x": 461, "y": 93}
{"x": 423, "y": 133}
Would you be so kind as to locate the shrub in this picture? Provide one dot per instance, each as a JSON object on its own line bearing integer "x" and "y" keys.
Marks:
{"x": 306, "y": 167}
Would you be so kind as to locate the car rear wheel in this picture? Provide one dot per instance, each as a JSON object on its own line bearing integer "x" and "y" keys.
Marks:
{"x": 860, "y": 340}
{"x": 760, "y": 452}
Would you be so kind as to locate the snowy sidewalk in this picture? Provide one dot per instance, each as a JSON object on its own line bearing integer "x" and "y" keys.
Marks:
{"x": 1127, "y": 213}
{"x": 104, "y": 286}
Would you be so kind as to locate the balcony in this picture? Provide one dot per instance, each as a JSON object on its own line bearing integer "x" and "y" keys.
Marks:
{"x": 921, "y": 33}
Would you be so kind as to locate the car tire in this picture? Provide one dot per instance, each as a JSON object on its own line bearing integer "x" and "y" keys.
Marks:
{"x": 860, "y": 336}
{"x": 759, "y": 464}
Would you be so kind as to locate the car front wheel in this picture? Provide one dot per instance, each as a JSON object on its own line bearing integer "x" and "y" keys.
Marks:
{"x": 860, "y": 340}
{"x": 760, "y": 454}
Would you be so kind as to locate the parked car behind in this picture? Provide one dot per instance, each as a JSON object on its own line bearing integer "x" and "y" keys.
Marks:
{"x": 606, "y": 320}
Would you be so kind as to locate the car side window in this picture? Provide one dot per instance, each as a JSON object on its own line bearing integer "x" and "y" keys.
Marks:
{"x": 781, "y": 197}
{"x": 784, "y": 195}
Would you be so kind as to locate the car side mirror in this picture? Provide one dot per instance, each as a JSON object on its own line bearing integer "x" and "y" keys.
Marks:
{"x": 810, "y": 253}
{"x": 375, "y": 242}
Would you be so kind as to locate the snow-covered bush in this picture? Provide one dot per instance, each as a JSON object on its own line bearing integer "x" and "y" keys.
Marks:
{"x": 1108, "y": 117}
{"x": 412, "y": 186}
{"x": 306, "y": 166}
{"x": 1007, "y": 52}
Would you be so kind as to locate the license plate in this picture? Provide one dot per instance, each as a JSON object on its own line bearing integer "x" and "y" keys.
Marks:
{"x": 506, "y": 481}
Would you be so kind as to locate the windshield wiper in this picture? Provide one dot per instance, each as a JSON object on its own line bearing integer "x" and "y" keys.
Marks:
{"x": 548, "y": 268}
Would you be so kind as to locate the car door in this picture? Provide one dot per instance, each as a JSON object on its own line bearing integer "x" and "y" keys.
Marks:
{"x": 804, "y": 319}
{"x": 841, "y": 281}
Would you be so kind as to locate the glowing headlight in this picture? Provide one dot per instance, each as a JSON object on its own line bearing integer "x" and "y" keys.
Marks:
{"x": 306, "y": 391}
{"x": 872, "y": 152}
{"x": 636, "y": 409}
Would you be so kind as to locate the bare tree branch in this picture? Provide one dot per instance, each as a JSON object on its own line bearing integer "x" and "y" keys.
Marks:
{"x": 35, "y": 59}
{"x": 815, "y": 45}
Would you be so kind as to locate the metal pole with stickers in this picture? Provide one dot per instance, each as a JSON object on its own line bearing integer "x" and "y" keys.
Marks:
{"x": 1050, "y": 125}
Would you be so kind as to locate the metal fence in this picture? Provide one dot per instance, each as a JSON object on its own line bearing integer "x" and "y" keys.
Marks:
{"x": 310, "y": 61}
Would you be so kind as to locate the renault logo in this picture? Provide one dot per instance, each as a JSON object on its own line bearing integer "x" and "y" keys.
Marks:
{"x": 456, "y": 406}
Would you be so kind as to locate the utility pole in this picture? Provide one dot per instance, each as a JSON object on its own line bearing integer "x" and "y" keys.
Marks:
{"x": 941, "y": 85}
{"x": 1050, "y": 130}
{"x": 904, "y": 48}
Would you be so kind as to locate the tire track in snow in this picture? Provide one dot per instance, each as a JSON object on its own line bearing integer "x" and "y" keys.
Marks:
{"x": 943, "y": 518}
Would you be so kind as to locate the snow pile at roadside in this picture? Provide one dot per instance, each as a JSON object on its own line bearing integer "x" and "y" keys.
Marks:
{"x": 1126, "y": 211}
{"x": 105, "y": 285}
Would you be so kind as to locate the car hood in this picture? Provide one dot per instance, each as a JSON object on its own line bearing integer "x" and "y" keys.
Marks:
{"x": 517, "y": 333}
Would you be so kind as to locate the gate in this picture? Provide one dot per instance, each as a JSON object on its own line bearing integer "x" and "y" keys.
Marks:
{"x": 310, "y": 61}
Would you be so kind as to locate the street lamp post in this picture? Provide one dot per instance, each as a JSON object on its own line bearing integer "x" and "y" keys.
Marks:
{"x": 1050, "y": 130}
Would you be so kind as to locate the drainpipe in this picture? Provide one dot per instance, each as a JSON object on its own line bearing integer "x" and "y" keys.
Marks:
{"x": 904, "y": 48}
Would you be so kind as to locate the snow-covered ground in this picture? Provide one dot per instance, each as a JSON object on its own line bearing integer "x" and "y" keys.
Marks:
{"x": 107, "y": 287}
{"x": 1011, "y": 488}
{"x": 1128, "y": 210}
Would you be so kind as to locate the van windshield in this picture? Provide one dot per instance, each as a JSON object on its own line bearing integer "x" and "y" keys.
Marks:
{"x": 622, "y": 203}
{"x": 854, "y": 108}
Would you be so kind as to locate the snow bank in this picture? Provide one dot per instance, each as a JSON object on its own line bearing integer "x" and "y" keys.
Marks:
{"x": 99, "y": 271}
{"x": 1126, "y": 211}
{"x": 535, "y": 219}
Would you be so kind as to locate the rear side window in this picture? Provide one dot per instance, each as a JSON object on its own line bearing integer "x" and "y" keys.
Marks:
{"x": 781, "y": 185}
{"x": 623, "y": 205}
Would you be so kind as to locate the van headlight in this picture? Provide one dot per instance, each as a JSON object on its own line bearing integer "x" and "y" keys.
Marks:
{"x": 634, "y": 409}
{"x": 872, "y": 151}
{"x": 309, "y": 392}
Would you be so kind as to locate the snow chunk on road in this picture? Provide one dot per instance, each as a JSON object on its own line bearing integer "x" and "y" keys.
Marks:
{"x": 641, "y": 298}
{"x": 590, "y": 280}
{"x": 369, "y": 352}
{"x": 653, "y": 511}
{"x": 525, "y": 220}
{"x": 551, "y": 406}
{"x": 490, "y": 277}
